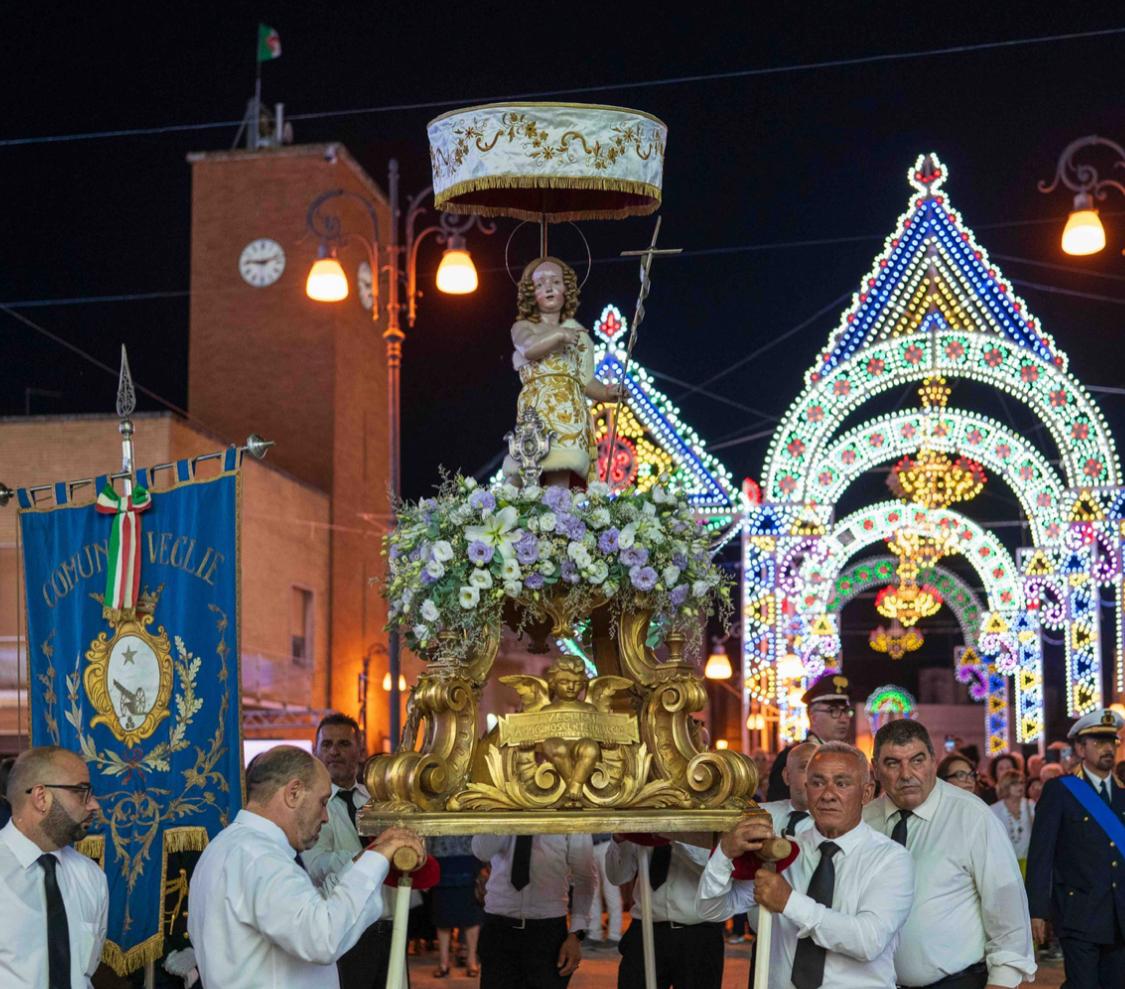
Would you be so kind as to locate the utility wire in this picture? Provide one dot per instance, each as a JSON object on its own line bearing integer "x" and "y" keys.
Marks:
{"x": 835, "y": 63}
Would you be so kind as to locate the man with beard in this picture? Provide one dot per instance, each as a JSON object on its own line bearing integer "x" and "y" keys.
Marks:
{"x": 53, "y": 900}
{"x": 1076, "y": 860}
{"x": 255, "y": 918}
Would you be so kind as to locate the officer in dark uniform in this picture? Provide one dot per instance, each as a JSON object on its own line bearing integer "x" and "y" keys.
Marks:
{"x": 830, "y": 712}
{"x": 1076, "y": 862}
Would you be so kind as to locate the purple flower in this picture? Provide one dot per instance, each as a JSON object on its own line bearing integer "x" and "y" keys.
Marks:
{"x": 643, "y": 578}
{"x": 427, "y": 578}
{"x": 555, "y": 498}
{"x": 527, "y": 549}
{"x": 576, "y": 530}
{"x": 534, "y": 581}
{"x": 482, "y": 500}
{"x": 480, "y": 553}
{"x": 679, "y": 560}
{"x": 563, "y": 522}
{"x": 679, "y": 594}
{"x": 607, "y": 541}
{"x": 569, "y": 571}
{"x": 634, "y": 556}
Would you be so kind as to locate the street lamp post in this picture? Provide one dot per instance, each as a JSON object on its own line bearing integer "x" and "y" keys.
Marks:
{"x": 327, "y": 283}
{"x": 1084, "y": 233}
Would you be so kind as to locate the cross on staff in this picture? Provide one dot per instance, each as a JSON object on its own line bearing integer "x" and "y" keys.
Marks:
{"x": 638, "y": 315}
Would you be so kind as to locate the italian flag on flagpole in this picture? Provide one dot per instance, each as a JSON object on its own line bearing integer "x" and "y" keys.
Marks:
{"x": 269, "y": 43}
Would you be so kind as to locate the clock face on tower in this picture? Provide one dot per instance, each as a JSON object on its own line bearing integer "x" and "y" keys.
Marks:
{"x": 364, "y": 285}
{"x": 261, "y": 263}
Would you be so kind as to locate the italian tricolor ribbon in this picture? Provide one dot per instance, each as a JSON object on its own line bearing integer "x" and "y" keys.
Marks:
{"x": 123, "y": 579}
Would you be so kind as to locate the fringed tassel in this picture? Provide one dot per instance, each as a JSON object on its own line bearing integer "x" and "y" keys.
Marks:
{"x": 444, "y": 199}
{"x": 125, "y": 962}
{"x": 93, "y": 847}
{"x": 185, "y": 839}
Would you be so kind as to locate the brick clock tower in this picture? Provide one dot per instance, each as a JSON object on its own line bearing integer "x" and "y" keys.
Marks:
{"x": 311, "y": 376}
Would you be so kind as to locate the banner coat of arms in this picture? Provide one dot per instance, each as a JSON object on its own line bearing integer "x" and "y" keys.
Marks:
{"x": 138, "y": 672}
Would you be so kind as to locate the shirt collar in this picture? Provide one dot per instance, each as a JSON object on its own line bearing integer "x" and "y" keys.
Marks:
{"x": 23, "y": 848}
{"x": 1095, "y": 778}
{"x": 929, "y": 807}
{"x": 846, "y": 842}
{"x": 358, "y": 788}
{"x": 266, "y": 828}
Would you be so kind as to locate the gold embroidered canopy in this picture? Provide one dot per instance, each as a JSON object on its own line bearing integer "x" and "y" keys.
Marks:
{"x": 558, "y": 161}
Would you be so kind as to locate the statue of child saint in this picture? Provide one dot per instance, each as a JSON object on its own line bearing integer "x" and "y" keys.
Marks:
{"x": 554, "y": 357}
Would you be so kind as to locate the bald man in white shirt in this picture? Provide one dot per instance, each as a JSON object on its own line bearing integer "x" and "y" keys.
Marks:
{"x": 791, "y": 816}
{"x": 840, "y": 906}
{"x": 255, "y": 918}
{"x": 53, "y": 900}
{"x": 969, "y": 926}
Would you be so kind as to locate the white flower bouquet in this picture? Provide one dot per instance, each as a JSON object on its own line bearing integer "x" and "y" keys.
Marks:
{"x": 458, "y": 558}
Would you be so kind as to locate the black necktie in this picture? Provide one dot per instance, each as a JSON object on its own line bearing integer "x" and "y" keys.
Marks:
{"x": 300, "y": 861}
{"x": 346, "y": 796}
{"x": 899, "y": 832}
{"x": 1105, "y": 792}
{"x": 808, "y": 961}
{"x": 58, "y": 933}
{"x": 795, "y": 818}
{"x": 658, "y": 866}
{"x": 521, "y": 861}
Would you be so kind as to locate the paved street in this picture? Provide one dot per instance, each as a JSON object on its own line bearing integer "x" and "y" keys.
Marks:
{"x": 599, "y": 971}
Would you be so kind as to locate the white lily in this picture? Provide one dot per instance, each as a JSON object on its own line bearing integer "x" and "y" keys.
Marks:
{"x": 497, "y": 531}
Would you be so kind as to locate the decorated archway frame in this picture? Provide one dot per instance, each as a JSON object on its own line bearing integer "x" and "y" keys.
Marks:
{"x": 879, "y": 571}
{"x": 1032, "y": 479}
{"x": 1075, "y": 423}
{"x": 889, "y": 699}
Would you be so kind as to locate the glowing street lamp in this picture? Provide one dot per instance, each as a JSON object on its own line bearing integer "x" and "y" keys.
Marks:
{"x": 456, "y": 275}
{"x": 1084, "y": 233}
{"x": 718, "y": 666}
{"x": 327, "y": 281}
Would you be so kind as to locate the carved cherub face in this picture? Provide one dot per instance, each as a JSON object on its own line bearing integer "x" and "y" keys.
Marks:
{"x": 550, "y": 290}
{"x": 567, "y": 680}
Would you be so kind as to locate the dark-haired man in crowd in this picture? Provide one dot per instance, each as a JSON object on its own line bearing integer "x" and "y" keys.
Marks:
{"x": 255, "y": 917}
{"x": 53, "y": 900}
{"x": 969, "y": 926}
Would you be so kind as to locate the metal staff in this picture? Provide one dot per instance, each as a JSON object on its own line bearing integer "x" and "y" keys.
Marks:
{"x": 638, "y": 315}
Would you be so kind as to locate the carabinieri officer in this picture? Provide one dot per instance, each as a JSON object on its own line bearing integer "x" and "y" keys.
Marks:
{"x": 1076, "y": 863}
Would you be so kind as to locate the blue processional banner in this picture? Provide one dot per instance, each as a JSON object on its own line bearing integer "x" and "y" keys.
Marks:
{"x": 148, "y": 693}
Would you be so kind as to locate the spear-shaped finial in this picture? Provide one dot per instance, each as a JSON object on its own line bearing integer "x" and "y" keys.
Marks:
{"x": 126, "y": 397}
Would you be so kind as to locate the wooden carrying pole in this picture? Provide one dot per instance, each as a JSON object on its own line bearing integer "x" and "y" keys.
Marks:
{"x": 406, "y": 861}
{"x": 648, "y": 940}
{"x": 771, "y": 852}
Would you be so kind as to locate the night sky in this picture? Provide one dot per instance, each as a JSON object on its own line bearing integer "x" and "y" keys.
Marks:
{"x": 779, "y": 186}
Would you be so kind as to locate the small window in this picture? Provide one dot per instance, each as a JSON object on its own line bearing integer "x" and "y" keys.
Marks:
{"x": 300, "y": 626}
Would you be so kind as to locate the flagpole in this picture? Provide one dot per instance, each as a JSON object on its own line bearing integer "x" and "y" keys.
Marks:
{"x": 256, "y": 109}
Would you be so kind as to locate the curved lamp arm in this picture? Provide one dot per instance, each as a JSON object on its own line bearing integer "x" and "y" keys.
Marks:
{"x": 328, "y": 228}
{"x": 1083, "y": 178}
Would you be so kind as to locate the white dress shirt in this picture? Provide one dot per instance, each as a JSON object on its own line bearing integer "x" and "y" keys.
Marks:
{"x": 338, "y": 844}
{"x": 675, "y": 899}
{"x": 870, "y": 903}
{"x": 557, "y": 862}
{"x": 23, "y": 909}
{"x": 969, "y": 902}
{"x": 779, "y": 811}
{"x": 1018, "y": 828}
{"x": 256, "y": 920}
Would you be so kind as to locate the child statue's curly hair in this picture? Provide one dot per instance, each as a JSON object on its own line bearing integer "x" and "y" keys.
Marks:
{"x": 525, "y": 298}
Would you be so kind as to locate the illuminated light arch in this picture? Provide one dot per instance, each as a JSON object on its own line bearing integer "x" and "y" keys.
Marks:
{"x": 879, "y": 571}
{"x": 876, "y": 523}
{"x": 1004, "y": 451}
{"x": 653, "y": 439}
{"x": 1086, "y": 449}
{"x": 887, "y": 703}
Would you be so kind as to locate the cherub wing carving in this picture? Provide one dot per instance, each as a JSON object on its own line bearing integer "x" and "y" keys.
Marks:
{"x": 601, "y": 690}
{"x": 534, "y": 692}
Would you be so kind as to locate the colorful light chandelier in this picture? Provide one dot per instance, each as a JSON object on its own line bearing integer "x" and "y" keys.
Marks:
{"x": 895, "y": 641}
{"x": 931, "y": 478}
{"x": 908, "y": 602}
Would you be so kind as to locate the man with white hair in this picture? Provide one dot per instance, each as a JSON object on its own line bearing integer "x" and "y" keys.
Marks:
{"x": 53, "y": 900}
{"x": 255, "y": 918}
{"x": 841, "y": 904}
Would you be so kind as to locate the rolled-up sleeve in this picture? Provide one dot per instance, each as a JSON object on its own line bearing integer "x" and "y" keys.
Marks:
{"x": 286, "y": 908}
{"x": 620, "y": 862}
{"x": 485, "y": 846}
{"x": 1008, "y": 951}
{"x": 882, "y": 910}
{"x": 719, "y": 896}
